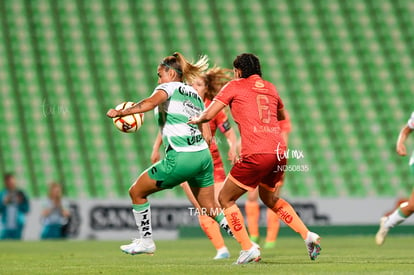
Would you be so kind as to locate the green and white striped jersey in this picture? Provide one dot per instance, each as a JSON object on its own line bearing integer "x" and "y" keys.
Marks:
{"x": 183, "y": 102}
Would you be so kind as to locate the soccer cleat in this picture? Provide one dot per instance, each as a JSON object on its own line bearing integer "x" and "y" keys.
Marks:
{"x": 222, "y": 253}
{"x": 255, "y": 245}
{"x": 382, "y": 232}
{"x": 139, "y": 246}
{"x": 313, "y": 245}
{"x": 248, "y": 256}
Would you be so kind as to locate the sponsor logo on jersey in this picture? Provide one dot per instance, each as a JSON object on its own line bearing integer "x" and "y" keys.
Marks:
{"x": 188, "y": 92}
{"x": 190, "y": 109}
{"x": 259, "y": 84}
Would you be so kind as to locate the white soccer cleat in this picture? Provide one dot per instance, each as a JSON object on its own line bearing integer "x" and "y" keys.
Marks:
{"x": 382, "y": 232}
{"x": 139, "y": 246}
{"x": 248, "y": 256}
{"x": 313, "y": 245}
{"x": 255, "y": 245}
{"x": 222, "y": 253}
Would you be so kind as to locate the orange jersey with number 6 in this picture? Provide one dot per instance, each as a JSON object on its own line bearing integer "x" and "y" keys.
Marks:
{"x": 254, "y": 103}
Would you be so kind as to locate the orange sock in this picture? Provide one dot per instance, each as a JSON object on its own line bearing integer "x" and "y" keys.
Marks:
{"x": 252, "y": 216}
{"x": 273, "y": 225}
{"x": 236, "y": 222}
{"x": 212, "y": 230}
{"x": 287, "y": 214}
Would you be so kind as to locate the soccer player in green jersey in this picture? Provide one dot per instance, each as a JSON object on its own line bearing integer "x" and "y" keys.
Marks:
{"x": 406, "y": 208}
{"x": 187, "y": 155}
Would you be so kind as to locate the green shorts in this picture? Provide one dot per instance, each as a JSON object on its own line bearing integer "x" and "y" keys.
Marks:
{"x": 194, "y": 167}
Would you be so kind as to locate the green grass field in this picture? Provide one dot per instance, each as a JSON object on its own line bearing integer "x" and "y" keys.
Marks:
{"x": 340, "y": 255}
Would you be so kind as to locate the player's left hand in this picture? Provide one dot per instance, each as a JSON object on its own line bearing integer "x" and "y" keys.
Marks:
{"x": 232, "y": 156}
{"x": 401, "y": 150}
{"x": 155, "y": 156}
{"x": 112, "y": 113}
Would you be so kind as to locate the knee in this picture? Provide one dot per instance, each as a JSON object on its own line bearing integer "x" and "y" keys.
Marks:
{"x": 221, "y": 199}
{"x": 269, "y": 200}
{"x": 131, "y": 192}
{"x": 408, "y": 205}
{"x": 225, "y": 201}
{"x": 134, "y": 192}
{"x": 251, "y": 197}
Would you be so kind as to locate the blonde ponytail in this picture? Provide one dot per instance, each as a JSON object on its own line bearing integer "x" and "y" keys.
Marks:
{"x": 191, "y": 71}
{"x": 214, "y": 79}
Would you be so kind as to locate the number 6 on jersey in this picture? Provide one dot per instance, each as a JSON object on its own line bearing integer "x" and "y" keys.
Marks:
{"x": 263, "y": 108}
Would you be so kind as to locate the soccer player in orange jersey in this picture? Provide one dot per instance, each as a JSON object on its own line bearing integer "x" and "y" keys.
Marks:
{"x": 256, "y": 108}
{"x": 252, "y": 206}
{"x": 207, "y": 86}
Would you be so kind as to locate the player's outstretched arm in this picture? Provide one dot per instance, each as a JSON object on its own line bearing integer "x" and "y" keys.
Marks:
{"x": 208, "y": 114}
{"x": 400, "y": 148}
{"x": 143, "y": 106}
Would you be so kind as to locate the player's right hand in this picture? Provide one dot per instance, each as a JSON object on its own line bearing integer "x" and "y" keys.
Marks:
{"x": 193, "y": 120}
{"x": 401, "y": 150}
{"x": 155, "y": 156}
{"x": 232, "y": 156}
{"x": 112, "y": 113}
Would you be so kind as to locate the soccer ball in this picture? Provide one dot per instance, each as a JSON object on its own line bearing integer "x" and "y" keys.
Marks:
{"x": 129, "y": 123}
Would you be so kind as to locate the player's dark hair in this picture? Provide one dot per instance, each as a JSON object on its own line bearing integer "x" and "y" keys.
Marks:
{"x": 186, "y": 70}
{"x": 248, "y": 63}
{"x": 7, "y": 176}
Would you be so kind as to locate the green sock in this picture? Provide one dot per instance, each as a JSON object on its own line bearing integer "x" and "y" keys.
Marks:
{"x": 140, "y": 207}
{"x": 219, "y": 217}
{"x": 401, "y": 213}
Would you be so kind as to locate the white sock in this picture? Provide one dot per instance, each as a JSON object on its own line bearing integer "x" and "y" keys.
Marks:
{"x": 223, "y": 250}
{"x": 394, "y": 219}
{"x": 142, "y": 214}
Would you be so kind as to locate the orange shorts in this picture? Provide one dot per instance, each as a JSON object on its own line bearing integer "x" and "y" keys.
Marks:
{"x": 264, "y": 169}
